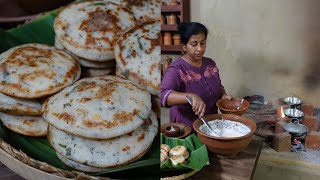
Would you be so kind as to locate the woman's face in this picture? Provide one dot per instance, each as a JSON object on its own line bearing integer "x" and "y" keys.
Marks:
{"x": 196, "y": 47}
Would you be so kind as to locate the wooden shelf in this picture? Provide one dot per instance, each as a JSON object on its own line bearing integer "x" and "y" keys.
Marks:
{"x": 168, "y": 8}
{"x": 167, "y": 27}
{"x": 171, "y": 48}
{"x": 182, "y": 11}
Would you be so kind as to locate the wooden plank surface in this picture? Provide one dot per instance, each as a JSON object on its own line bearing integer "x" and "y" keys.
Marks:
{"x": 239, "y": 168}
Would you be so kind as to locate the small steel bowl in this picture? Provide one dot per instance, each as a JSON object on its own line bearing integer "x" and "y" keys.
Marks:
{"x": 292, "y": 100}
{"x": 293, "y": 113}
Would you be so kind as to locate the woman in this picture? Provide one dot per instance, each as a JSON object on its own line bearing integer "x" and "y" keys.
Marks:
{"x": 192, "y": 75}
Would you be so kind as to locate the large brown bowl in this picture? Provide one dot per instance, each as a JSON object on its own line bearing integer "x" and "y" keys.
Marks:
{"x": 221, "y": 145}
{"x": 233, "y": 106}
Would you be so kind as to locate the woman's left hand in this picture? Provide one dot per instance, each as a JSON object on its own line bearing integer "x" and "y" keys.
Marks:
{"x": 225, "y": 96}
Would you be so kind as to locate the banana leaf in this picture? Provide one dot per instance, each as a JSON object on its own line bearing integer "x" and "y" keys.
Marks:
{"x": 40, "y": 149}
{"x": 38, "y": 31}
{"x": 198, "y": 153}
{"x": 41, "y": 31}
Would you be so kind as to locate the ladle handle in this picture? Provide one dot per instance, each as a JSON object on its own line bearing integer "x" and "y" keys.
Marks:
{"x": 189, "y": 99}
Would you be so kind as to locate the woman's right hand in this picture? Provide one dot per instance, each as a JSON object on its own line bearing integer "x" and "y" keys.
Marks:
{"x": 198, "y": 105}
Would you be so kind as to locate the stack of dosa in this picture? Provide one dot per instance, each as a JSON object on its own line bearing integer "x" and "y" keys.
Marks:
{"x": 88, "y": 31}
{"x": 28, "y": 73}
{"x": 137, "y": 53}
{"x": 143, "y": 10}
{"x": 100, "y": 122}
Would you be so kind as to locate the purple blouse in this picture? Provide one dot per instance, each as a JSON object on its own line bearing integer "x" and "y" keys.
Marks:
{"x": 183, "y": 77}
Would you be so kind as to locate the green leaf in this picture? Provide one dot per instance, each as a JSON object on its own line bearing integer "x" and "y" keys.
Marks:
{"x": 40, "y": 149}
{"x": 198, "y": 157}
{"x": 38, "y": 31}
{"x": 3, "y": 132}
{"x": 97, "y": 4}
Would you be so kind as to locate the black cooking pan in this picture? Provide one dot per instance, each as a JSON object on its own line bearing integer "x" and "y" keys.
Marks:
{"x": 295, "y": 128}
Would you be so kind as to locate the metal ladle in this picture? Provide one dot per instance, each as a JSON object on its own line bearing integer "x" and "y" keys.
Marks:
{"x": 189, "y": 99}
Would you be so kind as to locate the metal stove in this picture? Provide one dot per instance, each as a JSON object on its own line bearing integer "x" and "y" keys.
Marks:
{"x": 298, "y": 131}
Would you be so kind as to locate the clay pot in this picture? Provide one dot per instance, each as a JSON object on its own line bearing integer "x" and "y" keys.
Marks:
{"x": 172, "y": 19}
{"x": 173, "y": 3}
{"x": 160, "y": 39}
{"x": 228, "y": 147}
{"x": 233, "y": 106}
{"x": 177, "y": 39}
{"x": 185, "y": 130}
{"x": 163, "y": 19}
{"x": 167, "y": 38}
{"x": 172, "y": 131}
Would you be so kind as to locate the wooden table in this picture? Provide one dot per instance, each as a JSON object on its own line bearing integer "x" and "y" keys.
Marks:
{"x": 7, "y": 174}
{"x": 241, "y": 167}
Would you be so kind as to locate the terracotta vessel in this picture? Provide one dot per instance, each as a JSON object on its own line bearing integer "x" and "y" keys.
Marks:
{"x": 173, "y": 3}
{"x": 233, "y": 106}
{"x": 172, "y": 131}
{"x": 228, "y": 147}
{"x": 167, "y": 38}
{"x": 163, "y": 19}
{"x": 185, "y": 130}
{"x": 177, "y": 39}
{"x": 160, "y": 39}
{"x": 172, "y": 19}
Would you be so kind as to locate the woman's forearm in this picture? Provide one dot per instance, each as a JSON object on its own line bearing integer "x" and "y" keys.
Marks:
{"x": 198, "y": 105}
{"x": 176, "y": 98}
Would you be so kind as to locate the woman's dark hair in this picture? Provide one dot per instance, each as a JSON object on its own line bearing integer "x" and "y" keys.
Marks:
{"x": 187, "y": 29}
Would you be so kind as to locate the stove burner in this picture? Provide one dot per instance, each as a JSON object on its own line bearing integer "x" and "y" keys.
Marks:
{"x": 297, "y": 145}
{"x": 296, "y": 120}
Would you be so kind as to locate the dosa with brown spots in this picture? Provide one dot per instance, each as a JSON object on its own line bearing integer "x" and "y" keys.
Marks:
{"x": 98, "y": 107}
